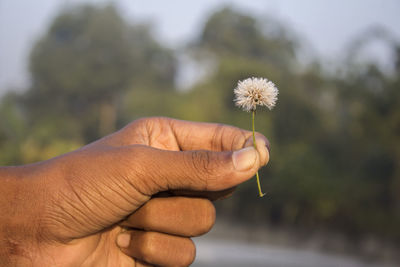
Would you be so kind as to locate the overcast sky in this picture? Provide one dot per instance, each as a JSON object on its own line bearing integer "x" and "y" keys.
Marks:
{"x": 328, "y": 26}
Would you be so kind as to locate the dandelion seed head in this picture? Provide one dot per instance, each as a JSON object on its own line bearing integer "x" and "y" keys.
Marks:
{"x": 255, "y": 91}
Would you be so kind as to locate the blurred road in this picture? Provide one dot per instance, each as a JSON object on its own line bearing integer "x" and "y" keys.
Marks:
{"x": 221, "y": 253}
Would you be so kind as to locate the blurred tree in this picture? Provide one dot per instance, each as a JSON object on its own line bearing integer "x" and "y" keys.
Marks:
{"x": 231, "y": 33}
{"x": 12, "y": 129}
{"x": 85, "y": 64}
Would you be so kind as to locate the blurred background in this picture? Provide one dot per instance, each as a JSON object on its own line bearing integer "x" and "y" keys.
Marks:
{"x": 74, "y": 71}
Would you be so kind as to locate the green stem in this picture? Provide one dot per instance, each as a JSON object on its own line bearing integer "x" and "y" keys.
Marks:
{"x": 261, "y": 194}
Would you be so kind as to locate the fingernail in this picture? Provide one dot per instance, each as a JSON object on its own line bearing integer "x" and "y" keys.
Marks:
{"x": 123, "y": 240}
{"x": 244, "y": 159}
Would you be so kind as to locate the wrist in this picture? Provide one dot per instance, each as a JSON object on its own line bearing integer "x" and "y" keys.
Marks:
{"x": 21, "y": 202}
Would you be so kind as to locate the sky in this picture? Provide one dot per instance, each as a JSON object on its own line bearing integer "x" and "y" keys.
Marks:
{"x": 327, "y": 27}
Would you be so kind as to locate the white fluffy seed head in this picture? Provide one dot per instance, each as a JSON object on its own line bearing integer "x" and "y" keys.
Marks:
{"x": 255, "y": 91}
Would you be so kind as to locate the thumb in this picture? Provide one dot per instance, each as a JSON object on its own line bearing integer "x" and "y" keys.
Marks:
{"x": 199, "y": 170}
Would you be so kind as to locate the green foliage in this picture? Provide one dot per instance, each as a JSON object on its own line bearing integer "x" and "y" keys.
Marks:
{"x": 87, "y": 61}
{"x": 231, "y": 33}
{"x": 12, "y": 129}
{"x": 335, "y": 139}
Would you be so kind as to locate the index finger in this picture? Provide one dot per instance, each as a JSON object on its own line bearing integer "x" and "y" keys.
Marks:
{"x": 173, "y": 134}
{"x": 211, "y": 136}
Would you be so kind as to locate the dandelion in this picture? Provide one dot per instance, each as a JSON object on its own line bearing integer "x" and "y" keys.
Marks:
{"x": 251, "y": 93}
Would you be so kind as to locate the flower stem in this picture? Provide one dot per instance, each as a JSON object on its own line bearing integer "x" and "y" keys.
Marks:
{"x": 260, "y": 193}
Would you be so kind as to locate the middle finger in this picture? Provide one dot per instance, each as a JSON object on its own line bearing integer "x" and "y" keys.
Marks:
{"x": 182, "y": 216}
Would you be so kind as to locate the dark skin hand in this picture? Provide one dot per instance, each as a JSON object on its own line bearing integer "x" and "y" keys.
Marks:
{"x": 133, "y": 198}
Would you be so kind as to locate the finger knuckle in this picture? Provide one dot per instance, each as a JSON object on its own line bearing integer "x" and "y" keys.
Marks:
{"x": 150, "y": 122}
{"x": 239, "y": 139}
{"x": 201, "y": 162}
{"x": 218, "y": 135}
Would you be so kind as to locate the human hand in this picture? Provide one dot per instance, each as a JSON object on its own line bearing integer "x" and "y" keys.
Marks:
{"x": 84, "y": 198}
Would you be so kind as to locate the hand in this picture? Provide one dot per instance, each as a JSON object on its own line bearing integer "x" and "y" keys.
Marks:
{"x": 73, "y": 208}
